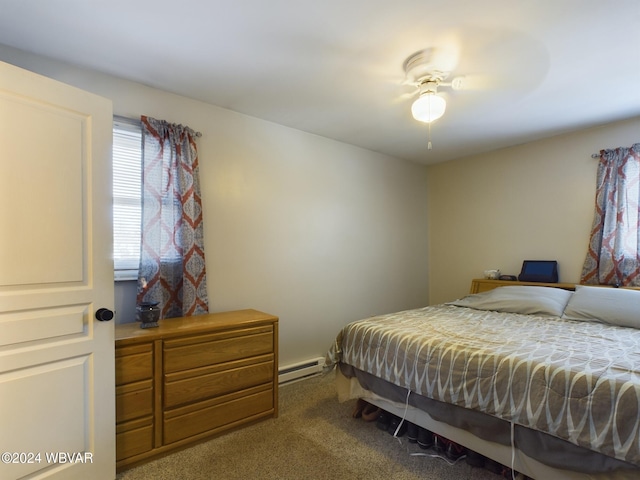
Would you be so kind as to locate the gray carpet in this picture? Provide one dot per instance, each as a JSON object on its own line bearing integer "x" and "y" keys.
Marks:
{"x": 313, "y": 438}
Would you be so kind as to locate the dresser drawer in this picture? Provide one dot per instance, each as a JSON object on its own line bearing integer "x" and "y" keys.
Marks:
{"x": 134, "y": 400}
{"x": 134, "y": 438}
{"x": 194, "y": 352}
{"x": 217, "y": 417}
{"x": 134, "y": 363}
{"x": 182, "y": 388}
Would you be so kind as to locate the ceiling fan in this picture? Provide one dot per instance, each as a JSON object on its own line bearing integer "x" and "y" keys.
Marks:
{"x": 427, "y": 70}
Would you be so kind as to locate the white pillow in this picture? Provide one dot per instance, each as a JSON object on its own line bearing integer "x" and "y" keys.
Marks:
{"x": 519, "y": 299}
{"x": 617, "y": 306}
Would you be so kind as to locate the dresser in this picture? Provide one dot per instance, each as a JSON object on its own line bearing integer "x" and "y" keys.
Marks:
{"x": 192, "y": 378}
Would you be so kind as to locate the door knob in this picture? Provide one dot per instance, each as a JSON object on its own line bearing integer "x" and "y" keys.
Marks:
{"x": 104, "y": 314}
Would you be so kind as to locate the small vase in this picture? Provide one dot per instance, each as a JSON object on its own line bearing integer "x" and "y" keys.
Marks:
{"x": 148, "y": 314}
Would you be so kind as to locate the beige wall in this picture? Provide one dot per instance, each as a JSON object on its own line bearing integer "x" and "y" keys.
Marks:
{"x": 322, "y": 233}
{"x": 315, "y": 231}
{"x": 530, "y": 202}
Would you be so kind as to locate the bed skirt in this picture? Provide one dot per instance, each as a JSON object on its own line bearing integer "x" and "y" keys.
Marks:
{"x": 537, "y": 454}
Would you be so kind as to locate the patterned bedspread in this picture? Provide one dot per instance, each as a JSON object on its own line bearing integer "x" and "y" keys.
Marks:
{"x": 578, "y": 381}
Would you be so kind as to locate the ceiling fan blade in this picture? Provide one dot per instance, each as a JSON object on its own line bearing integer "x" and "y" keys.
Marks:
{"x": 407, "y": 95}
{"x": 473, "y": 82}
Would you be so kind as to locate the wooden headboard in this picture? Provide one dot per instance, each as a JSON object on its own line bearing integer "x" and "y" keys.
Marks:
{"x": 483, "y": 284}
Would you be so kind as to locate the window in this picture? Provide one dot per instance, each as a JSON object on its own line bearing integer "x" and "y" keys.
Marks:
{"x": 127, "y": 161}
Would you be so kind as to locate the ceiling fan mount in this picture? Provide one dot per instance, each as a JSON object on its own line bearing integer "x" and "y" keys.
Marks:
{"x": 420, "y": 68}
{"x": 424, "y": 69}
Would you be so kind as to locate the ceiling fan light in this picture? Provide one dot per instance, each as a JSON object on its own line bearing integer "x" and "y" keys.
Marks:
{"x": 428, "y": 107}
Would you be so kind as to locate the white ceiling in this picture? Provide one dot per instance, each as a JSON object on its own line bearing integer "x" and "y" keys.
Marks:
{"x": 334, "y": 67}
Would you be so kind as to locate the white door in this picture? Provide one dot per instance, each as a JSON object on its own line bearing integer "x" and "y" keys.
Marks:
{"x": 56, "y": 360}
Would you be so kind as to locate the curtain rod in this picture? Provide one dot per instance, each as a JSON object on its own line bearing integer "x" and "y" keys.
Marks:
{"x": 634, "y": 147}
{"x": 135, "y": 121}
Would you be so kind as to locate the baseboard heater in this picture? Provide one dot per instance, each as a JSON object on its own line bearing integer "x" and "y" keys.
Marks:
{"x": 300, "y": 370}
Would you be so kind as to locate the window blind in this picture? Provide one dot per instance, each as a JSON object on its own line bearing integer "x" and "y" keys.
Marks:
{"x": 127, "y": 162}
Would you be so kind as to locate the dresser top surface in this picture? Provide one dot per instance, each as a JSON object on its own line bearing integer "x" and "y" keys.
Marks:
{"x": 171, "y": 327}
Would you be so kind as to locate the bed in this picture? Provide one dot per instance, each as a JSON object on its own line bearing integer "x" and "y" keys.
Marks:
{"x": 542, "y": 379}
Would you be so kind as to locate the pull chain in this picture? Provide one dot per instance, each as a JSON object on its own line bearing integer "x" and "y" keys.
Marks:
{"x": 429, "y": 136}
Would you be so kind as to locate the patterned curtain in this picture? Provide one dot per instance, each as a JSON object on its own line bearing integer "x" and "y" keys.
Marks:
{"x": 172, "y": 266}
{"x": 613, "y": 257}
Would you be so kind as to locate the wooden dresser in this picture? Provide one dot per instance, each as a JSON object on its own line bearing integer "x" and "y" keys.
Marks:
{"x": 192, "y": 378}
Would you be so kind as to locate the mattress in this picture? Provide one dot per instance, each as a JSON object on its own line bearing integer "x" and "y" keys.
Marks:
{"x": 575, "y": 381}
